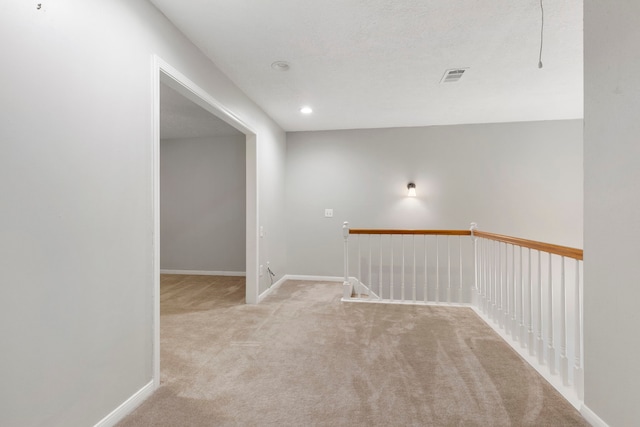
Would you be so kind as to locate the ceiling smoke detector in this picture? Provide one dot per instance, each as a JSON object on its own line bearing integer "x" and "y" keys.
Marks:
{"x": 453, "y": 75}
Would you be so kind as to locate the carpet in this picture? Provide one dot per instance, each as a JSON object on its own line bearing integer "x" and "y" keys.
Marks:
{"x": 304, "y": 358}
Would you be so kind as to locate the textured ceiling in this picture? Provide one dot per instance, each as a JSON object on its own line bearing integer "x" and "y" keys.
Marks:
{"x": 378, "y": 63}
{"x": 181, "y": 118}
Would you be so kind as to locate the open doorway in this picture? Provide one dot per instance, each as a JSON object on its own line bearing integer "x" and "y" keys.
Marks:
{"x": 202, "y": 190}
{"x": 167, "y": 77}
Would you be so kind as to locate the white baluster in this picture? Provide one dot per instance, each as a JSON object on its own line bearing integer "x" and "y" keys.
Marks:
{"x": 437, "y": 270}
{"x": 529, "y": 297}
{"x": 540, "y": 341}
{"x": 519, "y": 294}
{"x": 480, "y": 271}
{"x": 487, "y": 277}
{"x": 414, "y": 268}
{"x": 551, "y": 358}
{"x": 500, "y": 288}
{"x": 359, "y": 290}
{"x": 507, "y": 305}
{"x": 480, "y": 261}
{"x": 514, "y": 308}
{"x": 380, "y": 267}
{"x": 346, "y": 286}
{"x": 522, "y": 302}
{"x": 503, "y": 286}
{"x": 426, "y": 270}
{"x": 448, "y": 269}
{"x": 460, "y": 259}
{"x": 491, "y": 271}
{"x": 402, "y": 275}
{"x": 491, "y": 290}
{"x": 391, "y": 270}
{"x": 478, "y": 268}
{"x": 370, "y": 279}
{"x": 475, "y": 292}
{"x": 578, "y": 374}
{"x": 497, "y": 291}
{"x": 564, "y": 362}
{"x": 496, "y": 263}
{"x": 483, "y": 285}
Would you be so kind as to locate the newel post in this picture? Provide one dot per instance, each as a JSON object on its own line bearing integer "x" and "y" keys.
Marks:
{"x": 346, "y": 285}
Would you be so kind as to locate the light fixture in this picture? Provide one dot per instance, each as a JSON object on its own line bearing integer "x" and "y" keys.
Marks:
{"x": 412, "y": 189}
{"x": 306, "y": 110}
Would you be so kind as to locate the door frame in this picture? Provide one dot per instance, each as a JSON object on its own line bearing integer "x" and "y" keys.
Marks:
{"x": 165, "y": 73}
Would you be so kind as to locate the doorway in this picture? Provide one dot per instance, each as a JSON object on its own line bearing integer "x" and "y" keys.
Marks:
{"x": 202, "y": 191}
{"x": 164, "y": 74}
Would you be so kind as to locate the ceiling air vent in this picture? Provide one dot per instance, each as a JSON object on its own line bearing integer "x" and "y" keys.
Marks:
{"x": 453, "y": 75}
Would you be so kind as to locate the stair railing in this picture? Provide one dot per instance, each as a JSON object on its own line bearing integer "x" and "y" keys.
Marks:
{"x": 530, "y": 292}
{"x": 409, "y": 266}
{"x": 533, "y": 292}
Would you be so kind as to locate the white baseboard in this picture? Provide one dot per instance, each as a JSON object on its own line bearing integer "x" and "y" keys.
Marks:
{"x": 591, "y": 417}
{"x": 298, "y": 277}
{"x": 398, "y": 302}
{"x": 273, "y": 287}
{"x": 204, "y": 273}
{"x": 314, "y": 278}
{"x": 127, "y": 406}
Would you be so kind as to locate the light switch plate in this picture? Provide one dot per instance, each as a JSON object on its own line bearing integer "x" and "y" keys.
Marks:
{"x": 328, "y": 213}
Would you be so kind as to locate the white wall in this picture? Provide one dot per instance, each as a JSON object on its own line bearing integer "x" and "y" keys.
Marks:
{"x": 202, "y": 204}
{"x": 76, "y": 220}
{"x": 271, "y": 182}
{"x": 522, "y": 179}
{"x": 612, "y": 210}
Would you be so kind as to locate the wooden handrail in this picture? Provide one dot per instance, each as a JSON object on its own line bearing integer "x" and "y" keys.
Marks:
{"x": 430, "y": 232}
{"x": 564, "y": 251}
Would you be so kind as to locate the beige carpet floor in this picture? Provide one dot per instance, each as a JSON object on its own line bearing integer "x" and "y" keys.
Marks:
{"x": 303, "y": 358}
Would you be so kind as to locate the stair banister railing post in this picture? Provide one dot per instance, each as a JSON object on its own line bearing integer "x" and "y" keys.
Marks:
{"x": 514, "y": 295}
{"x": 564, "y": 361}
{"x": 437, "y": 271}
{"x": 460, "y": 265}
{"x": 448, "y": 269}
{"x": 370, "y": 280}
{"x": 531, "y": 343}
{"x": 346, "y": 286}
{"x": 380, "y": 267}
{"x": 472, "y": 229}
{"x": 578, "y": 379}
{"x": 540, "y": 341}
{"x": 550, "y": 345}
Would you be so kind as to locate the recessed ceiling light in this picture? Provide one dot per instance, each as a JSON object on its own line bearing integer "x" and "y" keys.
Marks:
{"x": 280, "y": 66}
{"x": 306, "y": 110}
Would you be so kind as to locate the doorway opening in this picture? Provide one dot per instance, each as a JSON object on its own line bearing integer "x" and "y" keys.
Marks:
{"x": 170, "y": 80}
{"x": 202, "y": 191}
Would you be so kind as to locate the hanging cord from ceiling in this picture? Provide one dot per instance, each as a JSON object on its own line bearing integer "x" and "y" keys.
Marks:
{"x": 541, "y": 34}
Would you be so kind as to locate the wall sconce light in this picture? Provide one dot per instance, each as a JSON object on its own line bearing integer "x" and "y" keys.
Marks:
{"x": 412, "y": 189}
